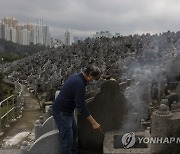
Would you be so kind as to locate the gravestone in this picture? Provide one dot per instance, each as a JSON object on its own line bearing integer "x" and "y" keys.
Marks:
{"x": 178, "y": 89}
{"x": 108, "y": 108}
{"x": 48, "y": 143}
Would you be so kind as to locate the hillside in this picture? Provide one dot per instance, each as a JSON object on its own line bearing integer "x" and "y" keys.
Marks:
{"x": 10, "y": 51}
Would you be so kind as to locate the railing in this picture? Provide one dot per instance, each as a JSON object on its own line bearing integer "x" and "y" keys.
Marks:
{"x": 11, "y": 108}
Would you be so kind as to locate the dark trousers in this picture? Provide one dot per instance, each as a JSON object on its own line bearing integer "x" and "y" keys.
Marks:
{"x": 68, "y": 132}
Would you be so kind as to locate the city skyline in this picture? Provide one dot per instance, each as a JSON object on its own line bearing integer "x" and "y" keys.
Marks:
{"x": 12, "y": 30}
{"x": 85, "y": 18}
{"x": 29, "y": 26}
{"x": 38, "y": 33}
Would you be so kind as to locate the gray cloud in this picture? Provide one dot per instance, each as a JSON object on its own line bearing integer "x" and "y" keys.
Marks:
{"x": 85, "y": 17}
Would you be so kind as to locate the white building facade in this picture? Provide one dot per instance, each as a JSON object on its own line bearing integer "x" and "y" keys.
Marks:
{"x": 25, "y": 37}
{"x": 0, "y": 30}
{"x": 4, "y": 31}
{"x": 68, "y": 37}
{"x": 13, "y": 34}
{"x": 46, "y": 36}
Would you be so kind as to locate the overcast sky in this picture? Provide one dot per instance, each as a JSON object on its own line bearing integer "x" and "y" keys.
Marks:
{"x": 85, "y": 17}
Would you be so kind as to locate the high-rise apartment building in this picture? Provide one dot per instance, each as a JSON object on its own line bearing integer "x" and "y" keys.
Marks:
{"x": 46, "y": 36}
{"x": 4, "y": 31}
{"x": 39, "y": 34}
{"x": 68, "y": 37}
{"x": 18, "y": 33}
{"x": 28, "y": 26}
{"x": 11, "y": 22}
{"x": 12, "y": 32}
{"x": 0, "y": 30}
{"x": 8, "y": 37}
{"x": 25, "y": 37}
{"x": 36, "y": 35}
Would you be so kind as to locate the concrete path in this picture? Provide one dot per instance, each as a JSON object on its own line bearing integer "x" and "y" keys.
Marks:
{"x": 10, "y": 151}
{"x": 30, "y": 114}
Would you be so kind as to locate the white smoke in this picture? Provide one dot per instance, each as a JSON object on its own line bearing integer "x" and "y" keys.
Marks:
{"x": 154, "y": 67}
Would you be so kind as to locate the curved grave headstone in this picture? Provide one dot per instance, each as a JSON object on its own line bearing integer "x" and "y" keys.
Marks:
{"x": 108, "y": 108}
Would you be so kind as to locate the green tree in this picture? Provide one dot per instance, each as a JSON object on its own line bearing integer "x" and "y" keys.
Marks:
{"x": 12, "y": 51}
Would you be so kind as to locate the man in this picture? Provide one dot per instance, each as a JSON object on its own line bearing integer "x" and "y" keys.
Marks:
{"x": 71, "y": 96}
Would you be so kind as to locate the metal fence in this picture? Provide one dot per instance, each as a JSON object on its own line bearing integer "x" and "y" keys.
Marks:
{"x": 11, "y": 108}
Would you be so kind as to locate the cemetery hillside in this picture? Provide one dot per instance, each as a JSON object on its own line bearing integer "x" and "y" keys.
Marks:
{"x": 116, "y": 57}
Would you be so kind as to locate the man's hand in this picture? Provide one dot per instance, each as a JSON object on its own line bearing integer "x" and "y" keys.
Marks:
{"x": 94, "y": 124}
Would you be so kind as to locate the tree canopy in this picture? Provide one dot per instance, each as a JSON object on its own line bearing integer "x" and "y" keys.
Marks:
{"x": 10, "y": 51}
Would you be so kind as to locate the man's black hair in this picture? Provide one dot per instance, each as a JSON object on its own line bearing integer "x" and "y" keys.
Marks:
{"x": 92, "y": 70}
